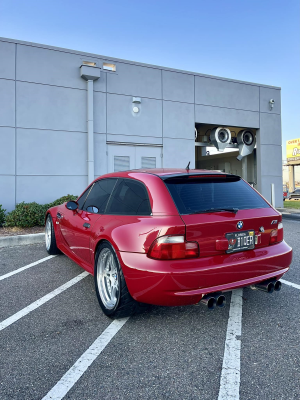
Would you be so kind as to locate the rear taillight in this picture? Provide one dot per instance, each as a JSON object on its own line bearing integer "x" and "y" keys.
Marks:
{"x": 276, "y": 235}
{"x": 172, "y": 248}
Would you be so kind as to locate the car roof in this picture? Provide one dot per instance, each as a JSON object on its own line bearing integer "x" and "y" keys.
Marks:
{"x": 163, "y": 172}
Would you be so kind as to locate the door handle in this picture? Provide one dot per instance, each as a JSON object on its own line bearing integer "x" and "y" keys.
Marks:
{"x": 86, "y": 225}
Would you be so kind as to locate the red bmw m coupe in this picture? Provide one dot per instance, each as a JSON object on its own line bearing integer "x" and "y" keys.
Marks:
{"x": 170, "y": 237}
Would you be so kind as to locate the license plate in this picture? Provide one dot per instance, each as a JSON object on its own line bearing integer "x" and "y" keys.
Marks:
{"x": 239, "y": 241}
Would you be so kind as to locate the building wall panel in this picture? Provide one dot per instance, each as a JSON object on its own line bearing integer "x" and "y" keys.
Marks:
{"x": 100, "y": 155}
{"x": 178, "y": 120}
{"x": 7, "y": 151}
{"x": 7, "y": 192}
{"x": 50, "y": 67}
{"x": 51, "y": 107}
{"x": 178, "y": 86}
{"x": 271, "y": 156}
{"x": 270, "y": 129}
{"x": 99, "y": 112}
{"x": 59, "y": 152}
{"x": 122, "y": 120}
{"x": 266, "y": 182}
{"x": 7, "y": 60}
{"x": 222, "y": 93}
{"x": 44, "y": 189}
{"x": 135, "y": 80}
{"x": 266, "y": 94}
{"x": 7, "y": 102}
{"x": 226, "y": 116}
{"x": 178, "y": 152}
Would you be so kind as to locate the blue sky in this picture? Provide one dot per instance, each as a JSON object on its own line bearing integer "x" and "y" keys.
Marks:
{"x": 251, "y": 40}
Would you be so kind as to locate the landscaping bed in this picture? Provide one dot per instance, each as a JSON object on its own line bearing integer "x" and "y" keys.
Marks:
{"x": 16, "y": 230}
{"x": 292, "y": 204}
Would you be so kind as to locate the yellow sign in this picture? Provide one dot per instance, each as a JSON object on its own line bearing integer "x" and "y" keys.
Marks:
{"x": 293, "y": 151}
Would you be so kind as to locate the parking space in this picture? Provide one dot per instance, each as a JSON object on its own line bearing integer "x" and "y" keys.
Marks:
{"x": 162, "y": 353}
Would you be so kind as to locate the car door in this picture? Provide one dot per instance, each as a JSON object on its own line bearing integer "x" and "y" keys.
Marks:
{"x": 76, "y": 226}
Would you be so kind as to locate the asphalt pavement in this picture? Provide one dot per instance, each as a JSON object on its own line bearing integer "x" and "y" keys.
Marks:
{"x": 163, "y": 353}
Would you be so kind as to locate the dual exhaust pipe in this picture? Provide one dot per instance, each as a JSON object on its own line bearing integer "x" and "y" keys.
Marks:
{"x": 213, "y": 300}
{"x": 268, "y": 286}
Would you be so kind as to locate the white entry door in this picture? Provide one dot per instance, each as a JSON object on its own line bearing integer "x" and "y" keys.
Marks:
{"x": 123, "y": 157}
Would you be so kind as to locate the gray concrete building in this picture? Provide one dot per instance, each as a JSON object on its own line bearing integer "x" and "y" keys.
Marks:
{"x": 68, "y": 116}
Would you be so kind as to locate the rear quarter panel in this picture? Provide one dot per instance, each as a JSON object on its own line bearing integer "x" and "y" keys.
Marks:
{"x": 132, "y": 233}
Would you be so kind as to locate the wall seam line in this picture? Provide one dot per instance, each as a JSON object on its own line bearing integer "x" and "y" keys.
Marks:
{"x": 15, "y": 125}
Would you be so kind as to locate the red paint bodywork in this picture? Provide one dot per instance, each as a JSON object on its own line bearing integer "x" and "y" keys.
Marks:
{"x": 173, "y": 282}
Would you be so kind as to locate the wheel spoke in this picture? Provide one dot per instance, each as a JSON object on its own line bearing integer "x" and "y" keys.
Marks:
{"x": 107, "y": 278}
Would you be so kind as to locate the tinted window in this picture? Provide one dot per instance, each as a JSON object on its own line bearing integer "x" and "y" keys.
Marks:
{"x": 199, "y": 195}
{"x": 129, "y": 198}
{"x": 82, "y": 198}
{"x": 99, "y": 195}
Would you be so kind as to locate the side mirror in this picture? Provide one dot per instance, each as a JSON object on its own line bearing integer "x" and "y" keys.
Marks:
{"x": 72, "y": 205}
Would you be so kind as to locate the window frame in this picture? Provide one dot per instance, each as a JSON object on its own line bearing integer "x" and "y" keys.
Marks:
{"x": 94, "y": 183}
{"x": 88, "y": 189}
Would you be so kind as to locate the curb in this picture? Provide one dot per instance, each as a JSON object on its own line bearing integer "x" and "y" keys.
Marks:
{"x": 18, "y": 240}
{"x": 291, "y": 216}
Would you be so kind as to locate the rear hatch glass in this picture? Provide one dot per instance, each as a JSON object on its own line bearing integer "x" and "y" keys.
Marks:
{"x": 195, "y": 195}
{"x": 212, "y": 208}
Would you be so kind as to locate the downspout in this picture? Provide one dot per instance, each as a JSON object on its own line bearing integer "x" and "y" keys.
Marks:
{"x": 90, "y": 74}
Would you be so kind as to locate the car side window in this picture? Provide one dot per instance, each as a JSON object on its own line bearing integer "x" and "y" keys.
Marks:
{"x": 97, "y": 199}
{"x": 129, "y": 197}
{"x": 83, "y": 197}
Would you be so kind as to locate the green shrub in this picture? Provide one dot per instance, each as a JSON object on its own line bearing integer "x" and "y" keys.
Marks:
{"x": 2, "y": 215}
{"x": 26, "y": 215}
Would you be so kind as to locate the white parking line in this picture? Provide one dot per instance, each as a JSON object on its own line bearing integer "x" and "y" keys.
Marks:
{"x": 4, "y": 324}
{"x": 82, "y": 364}
{"x": 230, "y": 375}
{"x": 26, "y": 267}
{"x": 290, "y": 283}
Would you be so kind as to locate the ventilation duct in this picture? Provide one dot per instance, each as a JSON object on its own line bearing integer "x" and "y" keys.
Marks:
{"x": 246, "y": 141}
{"x": 220, "y": 138}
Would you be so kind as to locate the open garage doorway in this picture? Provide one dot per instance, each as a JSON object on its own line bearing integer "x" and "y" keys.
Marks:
{"x": 209, "y": 155}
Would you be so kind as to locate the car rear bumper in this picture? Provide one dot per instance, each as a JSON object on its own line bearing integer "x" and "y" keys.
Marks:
{"x": 182, "y": 282}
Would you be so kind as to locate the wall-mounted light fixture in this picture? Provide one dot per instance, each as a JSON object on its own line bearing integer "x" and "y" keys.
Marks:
{"x": 271, "y": 102}
{"x": 109, "y": 67}
{"x": 136, "y": 100}
{"x": 90, "y": 63}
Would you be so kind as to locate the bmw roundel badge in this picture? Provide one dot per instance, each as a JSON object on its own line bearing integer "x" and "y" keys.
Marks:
{"x": 240, "y": 224}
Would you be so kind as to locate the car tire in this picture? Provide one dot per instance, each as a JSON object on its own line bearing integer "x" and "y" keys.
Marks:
{"x": 50, "y": 239}
{"x": 111, "y": 289}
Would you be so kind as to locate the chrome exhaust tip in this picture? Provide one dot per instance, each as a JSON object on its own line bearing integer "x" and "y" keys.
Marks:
{"x": 209, "y": 301}
{"x": 220, "y": 301}
{"x": 277, "y": 286}
{"x": 266, "y": 286}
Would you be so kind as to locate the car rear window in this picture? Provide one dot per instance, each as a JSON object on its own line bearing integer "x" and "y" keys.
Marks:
{"x": 196, "y": 195}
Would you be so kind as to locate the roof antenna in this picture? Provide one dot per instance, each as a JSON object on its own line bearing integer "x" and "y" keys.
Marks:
{"x": 188, "y": 166}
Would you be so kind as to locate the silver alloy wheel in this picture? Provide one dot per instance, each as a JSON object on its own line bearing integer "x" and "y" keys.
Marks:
{"x": 48, "y": 233}
{"x": 107, "y": 278}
